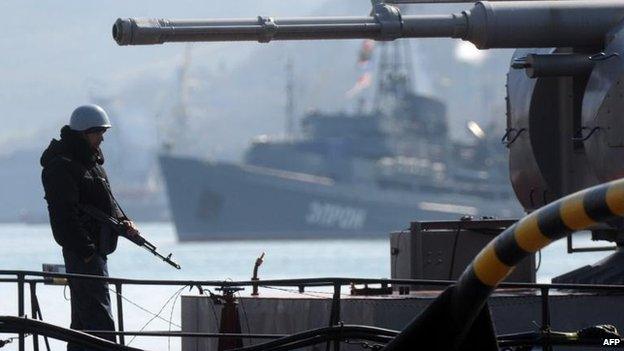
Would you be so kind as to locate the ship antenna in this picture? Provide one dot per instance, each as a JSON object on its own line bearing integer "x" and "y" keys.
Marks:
{"x": 381, "y": 69}
{"x": 290, "y": 99}
{"x": 395, "y": 72}
{"x": 408, "y": 62}
{"x": 184, "y": 88}
{"x": 175, "y": 129}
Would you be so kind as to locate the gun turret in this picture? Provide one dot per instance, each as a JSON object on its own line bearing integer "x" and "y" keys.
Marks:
{"x": 488, "y": 25}
{"x": 562, "y": 90}
{"x": 565, "y": 131}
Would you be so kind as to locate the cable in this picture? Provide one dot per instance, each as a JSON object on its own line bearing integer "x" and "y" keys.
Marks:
{"x": 364, "y": 345}
{"x": 4, "y": 342}
{"x": 454, "y": 252}
{"x": 158, "y": 314}
{"x": 539, "y": 260}
{"x": 143, "y": 308}
{"x": 315, "y": 336}
{"x": 398, "y": 250}
{"x": 13, "y": 324}
{"x": 324, "y": 294}
{"x": 39, "y": 313}
{"x": 244, "y": 312}
{"x": 291, "y": 291}
{"x": 171, "y": 317}
{"x": 301, "y": 344}
{"x": 214, "y": 310}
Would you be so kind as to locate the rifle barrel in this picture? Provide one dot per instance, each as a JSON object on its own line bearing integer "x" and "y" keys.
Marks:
{"x": 121, "y": 230}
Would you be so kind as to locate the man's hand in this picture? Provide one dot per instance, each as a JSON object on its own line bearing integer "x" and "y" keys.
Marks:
{"x": 131, "y": 228}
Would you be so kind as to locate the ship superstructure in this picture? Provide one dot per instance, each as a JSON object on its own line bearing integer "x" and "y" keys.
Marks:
{"x": 344, "y": 174}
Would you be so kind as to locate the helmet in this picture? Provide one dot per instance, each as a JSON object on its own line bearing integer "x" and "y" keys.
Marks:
{"x": 88, "y": 116}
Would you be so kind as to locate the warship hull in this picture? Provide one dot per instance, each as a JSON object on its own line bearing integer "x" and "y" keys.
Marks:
{"x": 219, "y": 201}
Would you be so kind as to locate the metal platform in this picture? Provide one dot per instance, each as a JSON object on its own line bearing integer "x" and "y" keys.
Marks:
{"x": 513, "y": 310}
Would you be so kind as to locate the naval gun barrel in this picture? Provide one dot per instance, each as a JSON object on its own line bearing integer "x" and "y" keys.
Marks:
{"x": 513, "y": 24}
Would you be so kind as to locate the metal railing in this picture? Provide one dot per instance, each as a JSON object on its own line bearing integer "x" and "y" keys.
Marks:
{"x": 32, "y": 278}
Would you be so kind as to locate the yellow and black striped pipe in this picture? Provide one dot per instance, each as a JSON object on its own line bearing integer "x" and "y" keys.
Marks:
{"x": 535, "y": 231}
{"x": 449, "y": 321}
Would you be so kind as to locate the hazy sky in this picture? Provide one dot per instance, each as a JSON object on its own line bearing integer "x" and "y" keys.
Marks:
{"x": 55, "y": 52}
{"x": 57, "y": 55}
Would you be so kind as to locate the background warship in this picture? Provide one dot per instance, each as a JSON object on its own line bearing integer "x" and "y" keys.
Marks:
{"x": 344, "y": 175}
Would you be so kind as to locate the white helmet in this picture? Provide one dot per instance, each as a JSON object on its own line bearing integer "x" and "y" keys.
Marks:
{"x": 88, "y": 116}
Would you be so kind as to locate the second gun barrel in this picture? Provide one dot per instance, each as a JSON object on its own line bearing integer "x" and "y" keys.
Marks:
{"x": 487, "y": 25}
{"x": 158, "y": 31}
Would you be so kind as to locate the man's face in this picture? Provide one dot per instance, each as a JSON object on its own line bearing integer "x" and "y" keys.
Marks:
{"x": 95, "y": 138}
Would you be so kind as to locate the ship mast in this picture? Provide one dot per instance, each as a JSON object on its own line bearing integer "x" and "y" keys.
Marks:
{"x": 290, "y": 100}
{"x": 176, "y": 130}
{"x": 394, "y": 73}
{"x": 183, "y": 88}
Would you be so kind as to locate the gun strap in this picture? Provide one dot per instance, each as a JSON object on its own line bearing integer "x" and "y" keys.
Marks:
{"x": 97, "y": 214}
{"x": 110, "y": 193}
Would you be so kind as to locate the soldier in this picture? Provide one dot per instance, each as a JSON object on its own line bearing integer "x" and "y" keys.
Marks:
{"x": 73, "y": 176}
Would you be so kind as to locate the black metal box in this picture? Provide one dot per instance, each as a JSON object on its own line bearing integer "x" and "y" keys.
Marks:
{"x": 442, "y": 250}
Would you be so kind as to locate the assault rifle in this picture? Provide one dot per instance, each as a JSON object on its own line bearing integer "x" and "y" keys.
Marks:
{"x": 121, "y": 230}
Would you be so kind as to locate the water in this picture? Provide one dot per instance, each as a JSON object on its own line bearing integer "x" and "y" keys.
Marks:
{"x": 26, "y": 247}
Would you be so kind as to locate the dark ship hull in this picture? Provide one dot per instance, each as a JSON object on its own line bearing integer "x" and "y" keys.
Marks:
{"x": 211, "y": 200}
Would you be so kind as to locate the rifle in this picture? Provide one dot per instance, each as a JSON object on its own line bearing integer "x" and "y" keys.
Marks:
{"x": 120, "y": 229}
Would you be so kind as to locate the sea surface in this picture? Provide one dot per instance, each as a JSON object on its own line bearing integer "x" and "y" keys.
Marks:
{"x": 26, "y": 247}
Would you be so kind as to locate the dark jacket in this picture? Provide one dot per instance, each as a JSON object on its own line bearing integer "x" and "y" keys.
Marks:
{"x": 72, "y": 176}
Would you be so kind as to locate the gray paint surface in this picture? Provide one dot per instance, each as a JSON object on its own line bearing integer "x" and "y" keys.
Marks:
{"x": 512, "y": 312}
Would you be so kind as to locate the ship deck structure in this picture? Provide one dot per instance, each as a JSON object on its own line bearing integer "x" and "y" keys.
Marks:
{"x": 562, "y": 176}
